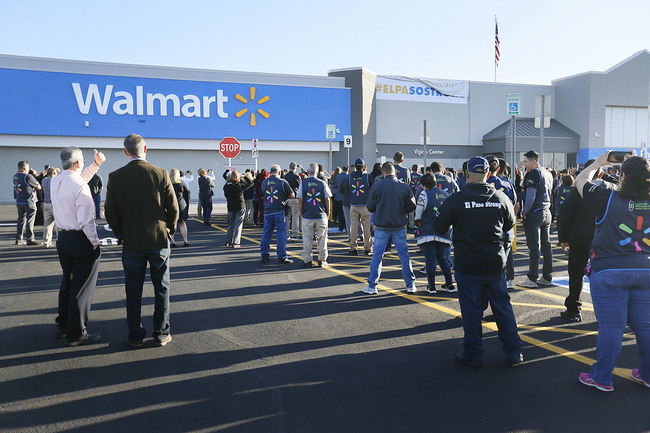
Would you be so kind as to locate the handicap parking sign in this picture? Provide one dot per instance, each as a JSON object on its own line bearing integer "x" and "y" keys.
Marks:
{"x": 513, "y": 101}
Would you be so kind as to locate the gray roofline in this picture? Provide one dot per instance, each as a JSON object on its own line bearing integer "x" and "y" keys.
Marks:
{"x": 356, "y": 68}
{"x": 83, "y": 64}
{"x": 607, "y": 71}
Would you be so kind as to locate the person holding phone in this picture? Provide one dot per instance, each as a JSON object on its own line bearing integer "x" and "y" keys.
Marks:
{"x": 619, "y": 267}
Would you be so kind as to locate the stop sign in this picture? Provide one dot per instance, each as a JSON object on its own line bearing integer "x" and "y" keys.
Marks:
{"x": 229, "y": 147}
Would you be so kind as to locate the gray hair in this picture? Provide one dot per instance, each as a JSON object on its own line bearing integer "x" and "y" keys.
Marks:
{"x": 313, "y": 169}
{"x": 275, "y": 169}
{"x": 134, "y": 145}
{"x": 70, "y": 156}
{"x": 292, "y": 165}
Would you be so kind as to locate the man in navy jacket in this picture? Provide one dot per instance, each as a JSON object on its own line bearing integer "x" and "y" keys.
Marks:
{"x": 390, "y": 200}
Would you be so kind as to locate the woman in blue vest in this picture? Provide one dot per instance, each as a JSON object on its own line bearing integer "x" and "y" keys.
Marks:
{"x": 619, "y": 268}
{"x": 433, "y": 244}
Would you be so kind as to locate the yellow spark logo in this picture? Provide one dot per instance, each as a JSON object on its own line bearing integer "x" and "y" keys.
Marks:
{"x": 243, "y": 111}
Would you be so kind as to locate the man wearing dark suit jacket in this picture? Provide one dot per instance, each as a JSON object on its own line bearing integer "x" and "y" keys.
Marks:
{"x": 141, "y": 209}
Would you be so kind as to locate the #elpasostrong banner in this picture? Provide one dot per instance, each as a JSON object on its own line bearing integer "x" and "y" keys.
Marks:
{"x": 398, "y": 88}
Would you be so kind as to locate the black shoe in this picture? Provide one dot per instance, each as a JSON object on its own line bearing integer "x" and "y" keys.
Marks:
{"x": 307, "y": 265}
{"x": 571, "y": 316}
{"x": 285, "y": 261}
{"x": 322, "y": 264}
{"x": 513, "y": 362}
{"x": 83, "y": 340}
{"x": 160, "y": 342}
{"x": 460, "y": 357}
{"x": 206, "y": 223}
{"x": 448, "y": 288}
{"x": 32, "y": 243}
{"x": 368, "y": 252}
{"x": 431, "y": 289}
{"x": 186, "y": 244}
{"x": 266, "y": 259}
{"x": 353, "y": 253}
{"x": 60, "y": 332}
{"x": 134, "y": 342}
{"x": 229, "y": 244}
{"x": 173, "y": 245}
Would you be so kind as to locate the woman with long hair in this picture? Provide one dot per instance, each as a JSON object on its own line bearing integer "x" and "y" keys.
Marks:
{"x": 234, "y": 192}
{"x": 619, "y": 267}
{"x": 182, "y": 192}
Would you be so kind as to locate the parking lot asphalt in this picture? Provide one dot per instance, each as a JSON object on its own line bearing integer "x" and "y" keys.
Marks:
{"x": 278, "y": 348}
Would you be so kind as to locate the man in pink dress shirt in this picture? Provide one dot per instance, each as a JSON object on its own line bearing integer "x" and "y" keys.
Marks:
{"x": 78, "y": 245}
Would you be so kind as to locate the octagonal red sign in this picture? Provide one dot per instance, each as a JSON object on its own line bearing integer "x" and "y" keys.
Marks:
{"x": 229, "y": 147}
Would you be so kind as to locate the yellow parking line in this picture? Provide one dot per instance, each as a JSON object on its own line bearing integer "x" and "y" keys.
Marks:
{"x": 621, "y": 372}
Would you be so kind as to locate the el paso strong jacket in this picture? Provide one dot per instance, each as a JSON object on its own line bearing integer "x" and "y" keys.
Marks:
{"x": 481, "y": 216}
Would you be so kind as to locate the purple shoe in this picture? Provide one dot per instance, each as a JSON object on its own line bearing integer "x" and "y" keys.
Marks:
{"x": 586, "y": 379}
{"x": 637, "y": 377}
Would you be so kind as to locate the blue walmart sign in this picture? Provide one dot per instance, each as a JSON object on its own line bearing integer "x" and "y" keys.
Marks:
{"x": 52, "y": 103}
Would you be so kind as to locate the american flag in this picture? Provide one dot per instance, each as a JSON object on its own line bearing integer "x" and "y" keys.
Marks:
{"x": 497, "y": 55}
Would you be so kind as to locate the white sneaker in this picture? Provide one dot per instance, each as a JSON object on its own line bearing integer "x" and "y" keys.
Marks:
{"x": 510, "y": 284}
{"x": 544, "y": 282}
{"x": 412, "y": 288}
{"x": 369, "y": 290}
{"x": 527, "y": 283}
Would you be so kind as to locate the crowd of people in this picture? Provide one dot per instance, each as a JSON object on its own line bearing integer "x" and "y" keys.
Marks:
{"x": 602, "y": 222}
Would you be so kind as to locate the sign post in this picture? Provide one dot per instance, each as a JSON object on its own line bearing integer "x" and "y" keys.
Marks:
{"x": 425, "y": 137}
{"x": 229, "y": 147}
{"x": 513, "y": 109}
{"x": 542, "y": 121}
{"x": 347, "y": 142}
{"x": 330, "y": 131}
{"x": 255, "y": 151}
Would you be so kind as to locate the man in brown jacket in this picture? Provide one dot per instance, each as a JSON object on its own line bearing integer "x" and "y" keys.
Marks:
{"x": 141, "y": 209}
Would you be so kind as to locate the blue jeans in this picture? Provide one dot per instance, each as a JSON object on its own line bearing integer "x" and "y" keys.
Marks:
{"x": 382, "y": 238}
{"x": 206, "y": 204}
{"x": 135, "y": 268}
{"x": 474, "y": 292}
{"x": 98, "y": 206}
{"x": 436, "y": 251}
{"x": 279, "y": 222}
{"x": 235, "y": 222}
{"x": 536, "y": 227}
{"x": 620, "y": 297}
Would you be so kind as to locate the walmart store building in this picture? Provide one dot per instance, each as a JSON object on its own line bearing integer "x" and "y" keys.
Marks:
{"x": 49, "y": 104}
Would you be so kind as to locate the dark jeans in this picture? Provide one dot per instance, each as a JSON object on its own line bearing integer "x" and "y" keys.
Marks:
{"x": 578, "y": 258}
{"x": 474, "y": 292}
{"x": 436, "y": 251}
{"x": 510, "y": 262}
{"x": 98, "y": 206}
{"x": 80, "y": 265}
{"x": 135, "y": 268}
{"x": 339, "y": 216}
{"x": 26, "y": 217}
{"x": 536, "y": 227}
{"x": 255, "y": 212}
{"x": 206, "y": 205}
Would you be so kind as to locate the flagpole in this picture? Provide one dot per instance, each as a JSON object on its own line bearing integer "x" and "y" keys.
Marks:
{"x": 496, "y": 47}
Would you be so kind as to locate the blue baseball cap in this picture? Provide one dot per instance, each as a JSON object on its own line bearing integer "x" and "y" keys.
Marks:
{"x": 359, "y": 161}
{"x": 478, "y": 164}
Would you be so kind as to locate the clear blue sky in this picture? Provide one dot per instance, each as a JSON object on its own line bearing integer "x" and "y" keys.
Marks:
{"x": 540, "y": 41}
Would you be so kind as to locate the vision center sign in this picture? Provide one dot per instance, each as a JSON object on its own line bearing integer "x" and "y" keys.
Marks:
{"x": 53, "y": 103}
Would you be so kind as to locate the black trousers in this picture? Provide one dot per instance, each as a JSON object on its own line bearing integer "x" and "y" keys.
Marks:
{"x": 578, "y": 258}
{"x": 80, "y": 265}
